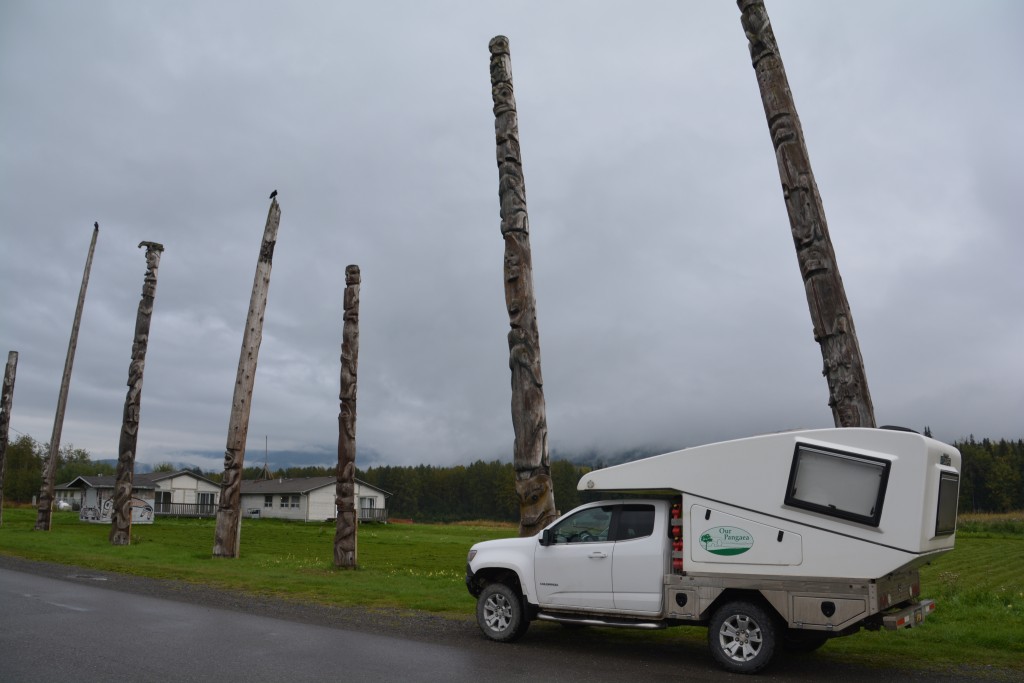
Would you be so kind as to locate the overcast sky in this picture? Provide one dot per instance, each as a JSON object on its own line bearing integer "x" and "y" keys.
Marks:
{"x": 670, "y": 306}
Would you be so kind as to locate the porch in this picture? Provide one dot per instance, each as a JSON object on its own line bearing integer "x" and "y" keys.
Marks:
{"x": 164, "y": 509}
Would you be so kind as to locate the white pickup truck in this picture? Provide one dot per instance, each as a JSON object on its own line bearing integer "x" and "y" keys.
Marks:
{"x": 776, "y": 541}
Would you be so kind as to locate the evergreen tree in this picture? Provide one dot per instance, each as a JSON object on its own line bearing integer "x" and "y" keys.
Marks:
{"x": 24, "y": 470}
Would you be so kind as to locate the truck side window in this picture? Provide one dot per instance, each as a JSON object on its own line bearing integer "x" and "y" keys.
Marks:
{"x": 635, "y": 521}
{"x": 586, "y": 526}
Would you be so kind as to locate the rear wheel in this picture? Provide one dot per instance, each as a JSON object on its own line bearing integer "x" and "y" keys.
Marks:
{"x": 501, "y": 614}
{"x": 742, "y": 637}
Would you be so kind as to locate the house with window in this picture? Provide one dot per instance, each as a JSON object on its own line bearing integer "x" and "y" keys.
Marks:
{"x": 309, "y": 499}
{"x": 94, "y": 497}
{"x": 182, "y": 493}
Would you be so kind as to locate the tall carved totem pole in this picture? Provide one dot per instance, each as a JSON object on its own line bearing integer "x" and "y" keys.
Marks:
{"x": 345, "y": 547}
{"x": 121, "y": 519}
{"x": 229, "y": 513}
{"x": 44, "y": 509}
{"x": 529, "y": 414}
{"x": 849, "y": 397}
{"x": 6, "y": 400}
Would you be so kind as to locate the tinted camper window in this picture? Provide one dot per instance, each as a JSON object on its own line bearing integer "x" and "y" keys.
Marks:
{"x": 945, "y": 516}
{"x": 838, "y": 484}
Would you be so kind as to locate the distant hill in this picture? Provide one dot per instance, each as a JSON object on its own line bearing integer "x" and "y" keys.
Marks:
{"x": 596, "y": 460}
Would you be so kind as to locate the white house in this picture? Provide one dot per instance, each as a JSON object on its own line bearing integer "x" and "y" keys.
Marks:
{"x": 95, "y": 497}
{"x": 181, "y": 493}
{"x": 310, "y": 499}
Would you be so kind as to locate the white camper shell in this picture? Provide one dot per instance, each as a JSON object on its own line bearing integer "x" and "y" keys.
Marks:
{"x": 784, "y": 539}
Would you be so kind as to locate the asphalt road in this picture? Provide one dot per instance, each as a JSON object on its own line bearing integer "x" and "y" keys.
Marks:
{"x": 60, "y": 623}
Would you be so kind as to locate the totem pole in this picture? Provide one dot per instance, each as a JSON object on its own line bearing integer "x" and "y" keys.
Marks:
{"x": 843, "y": 367}
{"x": 529, "y": 419}
{"x": 44, "y": 509}
{"x": 229, "y": 523}
{"x": 345, "y": 548}
{"x": 6, "y": 399}
{"x": 121, "y": 519}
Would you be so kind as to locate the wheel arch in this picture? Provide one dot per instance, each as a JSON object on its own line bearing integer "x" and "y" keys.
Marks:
{"x": 749, "y": 595}
{"x": 489, "y": 575}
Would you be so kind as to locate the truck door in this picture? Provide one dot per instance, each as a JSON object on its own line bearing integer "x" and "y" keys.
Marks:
{"x": 640, "y": 560}
{"x": 576, "y": 569}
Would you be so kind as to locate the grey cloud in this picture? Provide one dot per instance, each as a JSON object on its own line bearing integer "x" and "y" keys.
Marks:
{"x": 671, "y": 311}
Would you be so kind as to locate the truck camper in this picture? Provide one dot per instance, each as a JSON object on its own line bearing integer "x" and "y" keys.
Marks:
{"x": 779, "y": 541}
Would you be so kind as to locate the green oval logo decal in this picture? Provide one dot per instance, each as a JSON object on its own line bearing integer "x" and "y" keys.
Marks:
{"x": 726, "y": 540}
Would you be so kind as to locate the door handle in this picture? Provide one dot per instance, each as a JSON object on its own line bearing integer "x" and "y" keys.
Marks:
{"x": 597, "y": 556}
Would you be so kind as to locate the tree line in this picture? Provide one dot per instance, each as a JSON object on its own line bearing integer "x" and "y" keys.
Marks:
{"x": 482, "y": 490}
{"x": 991, "y": 480}
{"x": 992, "y": 475}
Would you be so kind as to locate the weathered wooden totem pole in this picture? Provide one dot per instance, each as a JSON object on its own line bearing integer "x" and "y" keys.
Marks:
{"x": 345, "y": 535}
{"x": 6, "y": 401}
{"x": 229, "y": 515}
{"x": 529, "y": 415}
{"x": 826, "y": 297}
{"x": 44, "y": 509}
{"x": 121, "y": 519}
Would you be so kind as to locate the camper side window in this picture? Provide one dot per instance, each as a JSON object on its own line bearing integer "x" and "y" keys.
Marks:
{"x": 945, "y": 515}
{"x": 838, "y": 484}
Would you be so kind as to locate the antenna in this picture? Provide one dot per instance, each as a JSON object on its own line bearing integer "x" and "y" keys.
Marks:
{"x": 265, "y": 473}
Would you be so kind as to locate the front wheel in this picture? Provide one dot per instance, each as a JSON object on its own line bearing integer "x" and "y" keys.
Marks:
{"x": 742, "y": 637}
{"x": 500, "y": 613}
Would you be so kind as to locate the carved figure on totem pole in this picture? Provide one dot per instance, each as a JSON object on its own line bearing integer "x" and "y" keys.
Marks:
{"x": 843, "y": 365}
{"x": 529, "y": 413}
{"x": 121, "y": 518}
{"x": 345, "y": 535}
{"x": 227, "y": 534}
{"x": 6, "y": 401}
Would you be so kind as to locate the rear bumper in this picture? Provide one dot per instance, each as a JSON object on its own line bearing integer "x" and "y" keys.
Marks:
{"x": 910, "y": 616}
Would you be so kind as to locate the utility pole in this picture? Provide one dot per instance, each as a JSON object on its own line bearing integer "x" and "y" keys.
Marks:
{"x": 345, "y": 535}
{"x": 6, "y": 400}
{"x": 121, "y": 519}
{"x": 44, "y": 509}
{"x": 534, "y": 487}
{"x": 229, "y": 523}
{"x": 831, "y": 317}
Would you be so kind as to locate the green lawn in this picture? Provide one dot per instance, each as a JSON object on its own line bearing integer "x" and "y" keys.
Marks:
{"x": 979, "y": 586}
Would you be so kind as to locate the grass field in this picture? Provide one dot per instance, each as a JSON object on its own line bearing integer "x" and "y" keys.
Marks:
{"x": 979, "y": 586}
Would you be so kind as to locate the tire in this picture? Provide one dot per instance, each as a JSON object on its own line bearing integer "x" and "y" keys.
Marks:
{"x": 501, "y": 614}
{"x": 742, "y": 637}
{"x": 799, "y": 641}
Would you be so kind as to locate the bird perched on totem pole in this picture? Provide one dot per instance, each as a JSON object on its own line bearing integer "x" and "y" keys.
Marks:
{"x": 96, "y": 225}
{"x": 273, "y": 194}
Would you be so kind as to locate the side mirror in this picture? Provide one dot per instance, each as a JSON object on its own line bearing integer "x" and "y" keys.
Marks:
{"x": 546, "y": 537}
